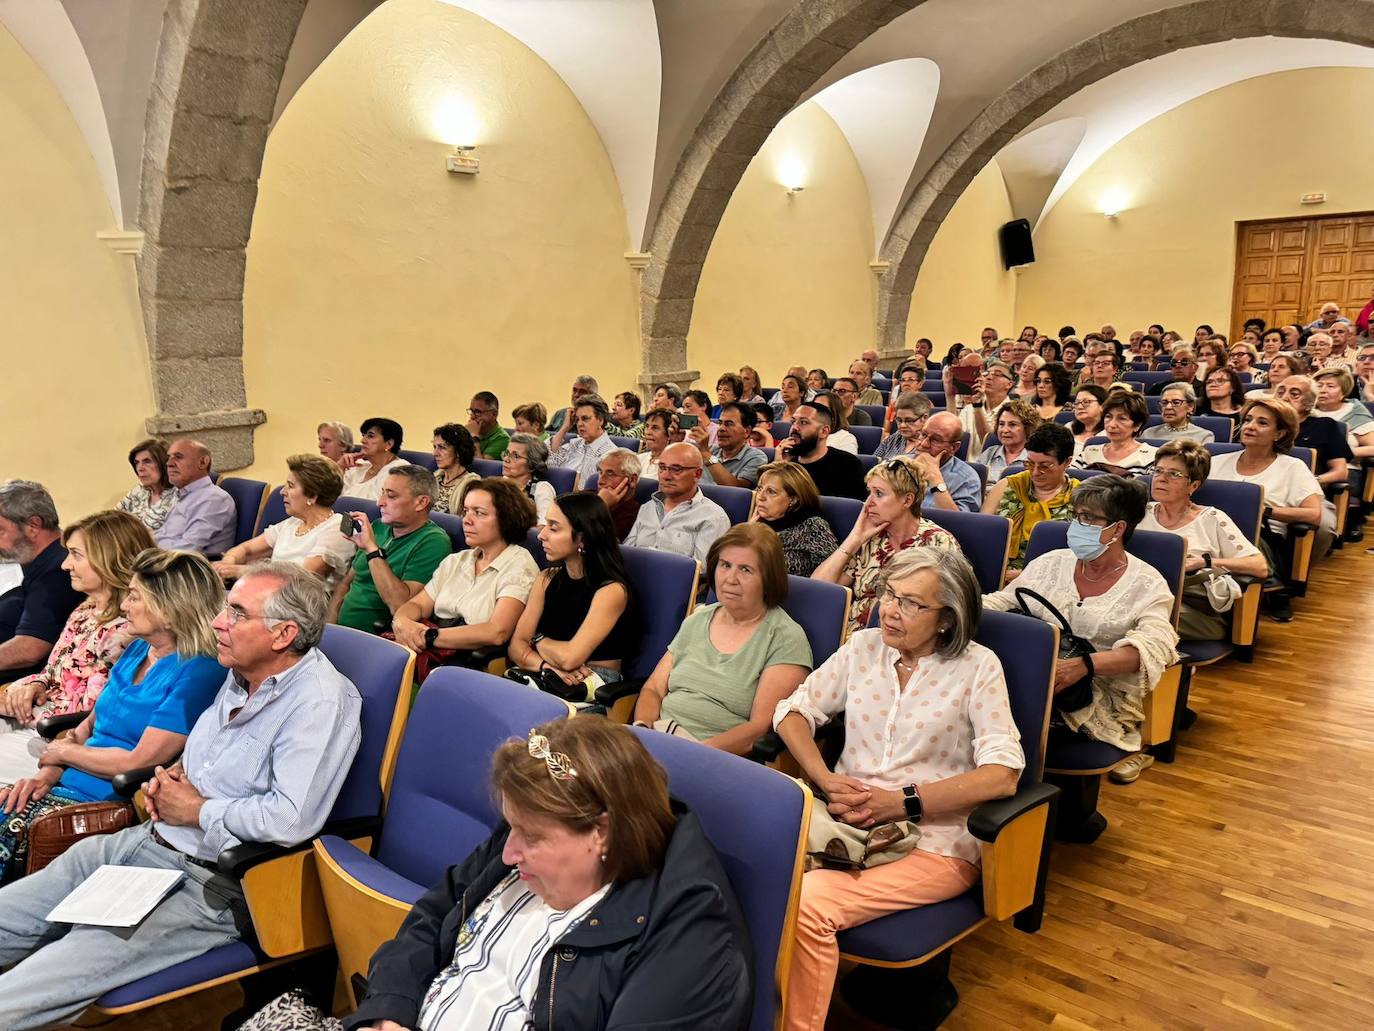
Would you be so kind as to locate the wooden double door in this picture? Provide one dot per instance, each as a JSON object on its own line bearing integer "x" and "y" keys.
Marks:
{"x": 1287, "y": 269}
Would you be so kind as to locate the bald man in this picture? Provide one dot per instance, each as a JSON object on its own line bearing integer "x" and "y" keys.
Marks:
{"x": 203, "y": 516}
{"x": 679, "y": 517}
{"x": 952, "y": 484}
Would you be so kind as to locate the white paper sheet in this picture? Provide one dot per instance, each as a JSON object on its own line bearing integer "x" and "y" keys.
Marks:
{"x": 116, "y": 896}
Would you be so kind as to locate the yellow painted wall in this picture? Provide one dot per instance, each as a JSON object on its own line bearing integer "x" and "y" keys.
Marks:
{"x": 962, "y": 285}
{"x": 76, "y": 389}
{"x": 379, "y": 284}
{"x": 1187, "y": 178}
{"x": 787, "y": 280}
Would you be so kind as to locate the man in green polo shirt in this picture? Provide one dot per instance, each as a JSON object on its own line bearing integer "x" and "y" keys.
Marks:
{"x": 484, "y": 413}
{"x": 396, "y": 556}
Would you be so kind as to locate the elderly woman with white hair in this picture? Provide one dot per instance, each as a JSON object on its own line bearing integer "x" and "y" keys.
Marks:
{"x": 526, "y": 464}
{"x": 899, "y": 766}
{"x": 1123, "y": 606}
{"x": 335, "y": 440}
{"x": 1177, "y": 402}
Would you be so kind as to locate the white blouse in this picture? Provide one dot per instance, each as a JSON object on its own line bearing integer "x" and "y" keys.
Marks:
{"x": 494, "y": 975}
{"x": 953, "y": 717}
{"x": 1137, "y": 612}
{"x": 324, "y": 541}
{"x": 357, "y": 486}
{"x": 458, "y": 590}
{"x": 1210, "y": 532}
{"x": 844, "y": 441}
{"x": 1138, "y": 462}
{"x": 1287, "y": 482}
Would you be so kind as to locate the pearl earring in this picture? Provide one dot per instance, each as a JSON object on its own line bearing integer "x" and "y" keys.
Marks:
{"x": 603, "y": 857}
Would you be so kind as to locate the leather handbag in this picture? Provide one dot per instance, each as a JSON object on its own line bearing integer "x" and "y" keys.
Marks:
{"x": 548, "y": 681}
{"x": 51, "y": 835}
{"x": 1079, "y": 694}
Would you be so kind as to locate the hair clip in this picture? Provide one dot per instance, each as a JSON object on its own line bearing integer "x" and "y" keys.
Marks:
{"x": 559, "y": 763}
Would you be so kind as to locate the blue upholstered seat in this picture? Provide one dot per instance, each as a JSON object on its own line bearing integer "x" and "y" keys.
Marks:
{"x": 982, "y": 538}
{"x": 274, "y": 511}
{"x": 869, "y": 437}
{"x": 453, "y": 526}
{"x": 735, "y": 500}
{"x": 424, "y": 459}
{"x": 370, "y": 508}
{"x": 249, "y": 497}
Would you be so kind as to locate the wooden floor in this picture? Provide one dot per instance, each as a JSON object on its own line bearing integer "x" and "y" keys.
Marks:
{"x": 1233, "y": 888}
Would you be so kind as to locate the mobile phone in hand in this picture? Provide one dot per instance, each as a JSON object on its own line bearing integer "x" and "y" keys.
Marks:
{"x": 348, "y": 526}
{"x": 686, "y": 422}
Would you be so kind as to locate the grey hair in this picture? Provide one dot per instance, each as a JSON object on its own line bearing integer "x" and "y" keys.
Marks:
{"x": 301, "y": 598}
{"x": 1186, "y": 389}
{"x": 589, "y": 382}
{"x": 1308, "y": 385}
{"x": 344, "y": 433}
{"x": 914, "y": 402}
{"x": 626, "y": 459}
{"x": 536, "y": 451}
{"x": 22, "y": 500}
{"x": 419, "y": 479}
{"x": 1121, "y": 500}
{"x": 674, "y": 391}
{"x": 957, "y": 590}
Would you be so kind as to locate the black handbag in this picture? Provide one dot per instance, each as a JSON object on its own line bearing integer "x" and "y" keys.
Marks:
{"x": 1079, "y": 694}
{"x": 548, "y": 681}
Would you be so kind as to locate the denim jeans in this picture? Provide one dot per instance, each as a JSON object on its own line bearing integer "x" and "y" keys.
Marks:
{"x": 68, "y": 967}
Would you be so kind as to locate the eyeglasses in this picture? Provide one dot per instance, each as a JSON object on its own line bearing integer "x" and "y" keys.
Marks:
{"x": 678, "y": 470}
{"x": 1172, "y": 402}
{"x": 559, "y": 763}
{"x": 1043, "y": 467}
{"x": 908, "y": 607}
{"x": 1172, "y": 474}
{"x": 1090, "y": 519}
{"x": 236, "y": 615}
{"x": 479, "y": 411}
{"x": 923, "y": 435}
{"x": 1179, "y": 363}
{"x": 1083, "y": 402}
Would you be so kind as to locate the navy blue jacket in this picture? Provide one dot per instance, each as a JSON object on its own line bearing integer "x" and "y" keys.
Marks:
{"x": 669, "y": 951}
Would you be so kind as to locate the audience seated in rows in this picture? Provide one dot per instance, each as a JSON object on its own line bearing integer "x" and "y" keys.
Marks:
{"x": 580, "y": 618}
{"x": 1087, "y": 414}
{"x": 978, "y": 417}
{"x": 787, "y": 502}
{"x": 311, "y": 535}
{"x": 660, "y": 430}
{"x": 475, "y": 596}
{"x": 840, "y": 438}
{"x": 101, "y": 550}
{"x": 583, "y": 386}
{"x": 951, "y": 483}
{"x": 582, "y": 441}
{"x": 731, "y": 662}
{"x": 729, "y": 390}
{"x": 263, "y": 764}
{"x": 32, "y": 615}
{"x": 397, "y": 554}
{"x": 335, "y": 439}
{"x": 1333, "y": 387}
{"x": 697, "y": 405}
{"x": 531, "y": 419}
{"x": 484, "y": 424}
{"x": 454, "y": 452}
{"x": 887, "y": 681}
{"x": 1053, "y": 390}
{"x": 678, "y": 952}
{"x": 749, "y": 386}
{"x": 1326, "y": 437}
{"x": 1216, "y": 547}
{"x": 1225, "y": 394}
{"x": 847, "y": 390}
{"x": 526, "y": 464}
{"x": 1285, "y": 365}
{"x": 164, "y": 679}
{"x": 889, "y": 523}
{"x": 626, "y": 411}
{"x": 835, "y": 473}
{"x": 1123, "y": 607}
{"x": 679, "y": 518}
{"x": 1124, "y": 415}
{"x": 366, "y": 470}
{"x": 203, "y": 515}
{"x": 790, "y": 396}
{"x": 154, "y": 496}
{"x": 1183, "y": 366}
{"x": 1040, "y": 492}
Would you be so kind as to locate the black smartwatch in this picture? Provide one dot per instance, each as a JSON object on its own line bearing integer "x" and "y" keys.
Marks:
{"x": 431, "y": 635}
{"x": 911, "y": 798}
{"x": 1206, "y": 560}
{"x": 376, "y": 553}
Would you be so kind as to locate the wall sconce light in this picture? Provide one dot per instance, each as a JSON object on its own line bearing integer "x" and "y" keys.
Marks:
{"x": 794, "y": 190}
{"x": 1113, "y": 202}
{"x": 462, "y": 162}
{"x": 792, "y": 174}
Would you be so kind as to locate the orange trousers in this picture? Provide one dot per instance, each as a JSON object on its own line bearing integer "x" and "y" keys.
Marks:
{"x": 832, "y": 900}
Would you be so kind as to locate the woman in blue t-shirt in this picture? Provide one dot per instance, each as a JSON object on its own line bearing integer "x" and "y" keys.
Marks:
{"x": 166, "y": 678}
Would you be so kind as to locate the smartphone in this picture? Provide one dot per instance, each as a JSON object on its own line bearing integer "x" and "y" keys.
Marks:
{"x": 348, "y": 526}
{"x": 686, "y": 422}
{"x": 965, "y": 376}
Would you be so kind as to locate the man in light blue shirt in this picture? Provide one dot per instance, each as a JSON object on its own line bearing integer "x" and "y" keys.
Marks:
{"x": 203, "y": 516}
{"x": 679, "y": 517}
{"x": 952, "y": 484}
{"x": 263, "y": 764}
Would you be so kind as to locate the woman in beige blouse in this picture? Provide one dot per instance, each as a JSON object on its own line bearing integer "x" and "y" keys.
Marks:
{"x": 927, "y": 718}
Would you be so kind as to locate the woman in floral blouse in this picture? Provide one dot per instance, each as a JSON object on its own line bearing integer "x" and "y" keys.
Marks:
{"x": 152, "y": 499}
{"x": 100, "y": 553}
{"x": 890, "y": 523}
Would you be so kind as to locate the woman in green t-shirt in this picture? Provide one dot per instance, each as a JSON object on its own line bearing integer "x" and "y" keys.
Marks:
{"x": 731, "y": 663}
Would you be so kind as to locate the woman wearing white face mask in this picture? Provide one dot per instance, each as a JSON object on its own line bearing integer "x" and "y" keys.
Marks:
{"x": 1119, "y": 603}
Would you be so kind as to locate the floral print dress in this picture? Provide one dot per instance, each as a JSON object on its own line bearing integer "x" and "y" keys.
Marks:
{"x": 866, "y": 567}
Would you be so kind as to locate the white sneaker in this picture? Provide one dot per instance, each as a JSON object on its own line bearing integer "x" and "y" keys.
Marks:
{"x": 1129, "y": 769}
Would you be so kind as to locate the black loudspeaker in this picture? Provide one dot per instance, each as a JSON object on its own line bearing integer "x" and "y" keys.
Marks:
{"x": 1017, "y": 248}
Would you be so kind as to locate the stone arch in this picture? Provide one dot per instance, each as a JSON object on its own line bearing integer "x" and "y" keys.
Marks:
{"x": 1143, "y": 38}
{"x": 787, "y": 62}
{"x": 219, "y": 65}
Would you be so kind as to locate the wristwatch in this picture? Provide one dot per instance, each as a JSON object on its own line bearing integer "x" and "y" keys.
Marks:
{"x": 939, "y": 488}
{"x": 911, "y": 798}
{"x": 713, "y": 460}
{"x": 1206, "y": 560}
{"x": 431, "y": 635}
{"x": 376, "y": 553}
